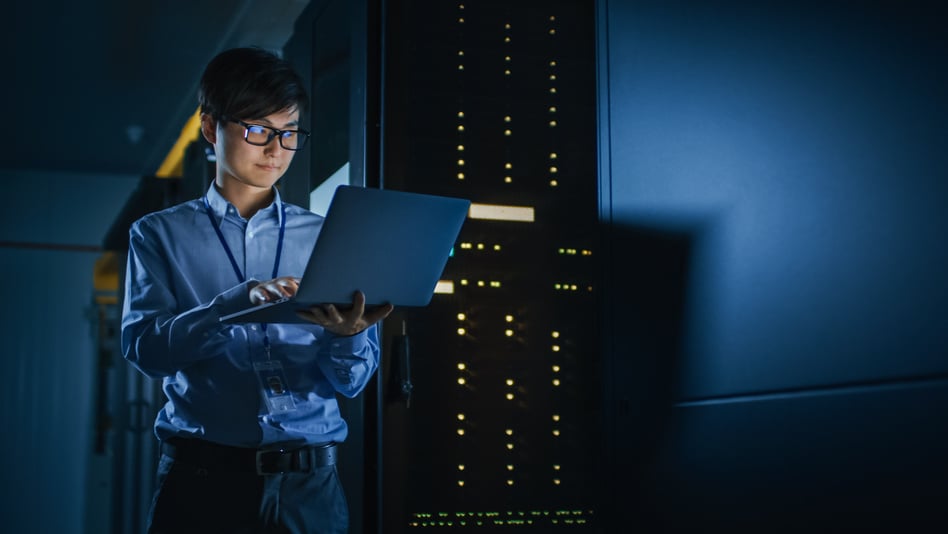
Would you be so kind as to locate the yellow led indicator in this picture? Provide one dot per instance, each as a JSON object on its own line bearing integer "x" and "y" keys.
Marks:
{"x": 461, "y": 381}
{"x": 507, "y": 118}
{"x": 466, "y": 245}
{"x": 507, "y": 132}
{"x": 460, "y": 162}
{"x": 510, "y": 382}
{"x": 552, "y": 90}
{"x": 460, "y": 148}
{"x": 507, "y": 26}
{"x": 556, "y": 481}
{"x": 464, "y": 281}
{"x": 509, "y": 396}
{"x": 554, "y": 183}
{"x": 480, "y": 246}
{"x": 510, "y": 446}
{"x": 556, "y": 368}
{"x": 506, "y": 72}
{"x": 552, "y": 124}
{"x": 556, "y": 381}
{"x": 508, "y": 333}
{"x": 556, "y": 433}
{"x": 508, "y": 165}
{"x": 461, "y": 66}
{"x": 510, "y": 482}
{"x": 461, "y": 417}
{"x": 461, "y": 53}
{"x": 480, "y": 283}
{"x": 507, "y": 179}
{"x": 554, "y": 170}
{"x": 552, "y": 154}
{"x": 509, "y": 432}
{"x": 506, "y": 39}
{"x": 556, "y": 417}
{"x": 556, "y": 467}
{"x": 552, "y": 109}
{"x": 460, "y": 483}
{"x": 460, "y": 176}
{"x": 460, "y": 467}
{"x": 461, "y": 317}
{"x": 555, "y": 334}
{"x": 556, "y": 348}
{"x": 462, "y": 366}
{"x": 552, "y": 18}
{"x": 461, "y": 331}
{"x": 552, "y": 31}
{"x": 461, "y": 20}
{"x": 553, "y": 63}
{"x": 552, "y": 76}
{"x": 510, "y": 467}
{"x": 460, "y": 431}
{"x": 496, "y": 247}
{"x": 460, "y": 127}
{"x": 509, "y": 318}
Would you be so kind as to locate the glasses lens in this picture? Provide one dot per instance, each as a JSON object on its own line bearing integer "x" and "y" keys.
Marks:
{"x": 291, "y": 140}
{"x": 257, "y": 135}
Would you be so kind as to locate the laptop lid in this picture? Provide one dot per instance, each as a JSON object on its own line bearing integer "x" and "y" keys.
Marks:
{"x": 391, "y": 245}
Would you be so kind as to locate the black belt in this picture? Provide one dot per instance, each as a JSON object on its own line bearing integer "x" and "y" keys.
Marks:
{"x": 212, "y": 456}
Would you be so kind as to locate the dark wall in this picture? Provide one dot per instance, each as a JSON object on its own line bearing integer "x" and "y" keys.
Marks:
{"x": 774, "y": 184}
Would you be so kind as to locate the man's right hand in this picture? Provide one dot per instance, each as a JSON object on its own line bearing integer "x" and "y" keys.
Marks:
{"x": 276, "y": 289}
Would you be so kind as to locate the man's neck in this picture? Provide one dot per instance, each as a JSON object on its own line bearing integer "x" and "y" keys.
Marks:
{"x": 247, "y": 199}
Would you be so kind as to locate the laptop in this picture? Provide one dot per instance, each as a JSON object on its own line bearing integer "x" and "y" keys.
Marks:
{"x": 391, "y": 245}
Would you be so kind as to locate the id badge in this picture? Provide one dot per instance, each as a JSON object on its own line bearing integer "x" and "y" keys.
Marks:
{"x": 274, "y": 386}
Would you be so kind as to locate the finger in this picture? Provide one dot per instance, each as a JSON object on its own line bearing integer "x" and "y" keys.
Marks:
{"x": 377, "y": 314}
{"x": 258, "y": 296}
{"x": 332, "y": 314}
{"x": 317, "y": 313}
{"x": 288, "y": 285}
{"x": 358, "y": 304}
{"x": 308, "y": 315}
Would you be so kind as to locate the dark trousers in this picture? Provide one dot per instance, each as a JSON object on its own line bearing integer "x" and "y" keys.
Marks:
{"x": 198, "y": 499}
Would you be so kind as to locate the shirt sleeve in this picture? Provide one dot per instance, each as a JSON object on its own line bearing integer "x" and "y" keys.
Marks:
{"x": 348, "y": 362}
{"x": 158, "y": 338}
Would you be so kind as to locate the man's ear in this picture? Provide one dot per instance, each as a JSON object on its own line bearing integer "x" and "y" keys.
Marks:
{"x": 209, "y": 128}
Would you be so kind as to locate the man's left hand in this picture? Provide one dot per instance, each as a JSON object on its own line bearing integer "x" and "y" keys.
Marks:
{"x": 346, "y": 322}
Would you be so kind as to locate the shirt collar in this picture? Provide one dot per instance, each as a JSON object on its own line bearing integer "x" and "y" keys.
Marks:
{"x": 220, "y": 205}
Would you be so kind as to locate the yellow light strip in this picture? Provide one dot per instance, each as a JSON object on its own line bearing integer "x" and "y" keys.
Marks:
{"x": 173, "y": 165}
{"x": 496, "y": 212}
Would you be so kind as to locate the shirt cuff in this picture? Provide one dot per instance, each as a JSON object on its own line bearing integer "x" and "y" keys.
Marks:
{"x": 347, "y": 345}
{"x": 234, "y": 299}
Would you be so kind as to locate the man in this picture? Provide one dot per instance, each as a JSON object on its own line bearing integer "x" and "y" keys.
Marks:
{"x": 249, "y": 430}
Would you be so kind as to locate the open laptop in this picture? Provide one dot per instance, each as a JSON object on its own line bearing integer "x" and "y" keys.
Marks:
{"x": 391, "y": 245}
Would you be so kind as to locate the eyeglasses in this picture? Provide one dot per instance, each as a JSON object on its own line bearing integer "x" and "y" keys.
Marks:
{"x": 260, "y": 135}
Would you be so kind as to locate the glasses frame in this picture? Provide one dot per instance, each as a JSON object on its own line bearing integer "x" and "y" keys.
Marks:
{"x": 274, "y": 132}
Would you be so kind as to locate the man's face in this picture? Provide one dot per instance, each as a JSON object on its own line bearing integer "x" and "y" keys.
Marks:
{"x": 252, "y": 165}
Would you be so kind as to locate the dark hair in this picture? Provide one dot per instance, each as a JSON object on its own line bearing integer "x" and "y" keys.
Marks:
{"x": 250, "y": 83}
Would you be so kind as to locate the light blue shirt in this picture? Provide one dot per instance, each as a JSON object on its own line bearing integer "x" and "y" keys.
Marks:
{"x": 178, "y": 284}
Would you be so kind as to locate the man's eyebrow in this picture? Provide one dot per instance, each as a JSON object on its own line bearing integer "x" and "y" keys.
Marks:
{"x": 268, "y": 123}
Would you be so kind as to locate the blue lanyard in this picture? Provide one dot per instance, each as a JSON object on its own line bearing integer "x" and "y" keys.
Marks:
{"x": 230, "y": 255}
{"x": 233, "y": 261}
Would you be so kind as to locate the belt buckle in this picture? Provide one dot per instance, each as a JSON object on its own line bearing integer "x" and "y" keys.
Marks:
{"x": 259, "y": 462}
